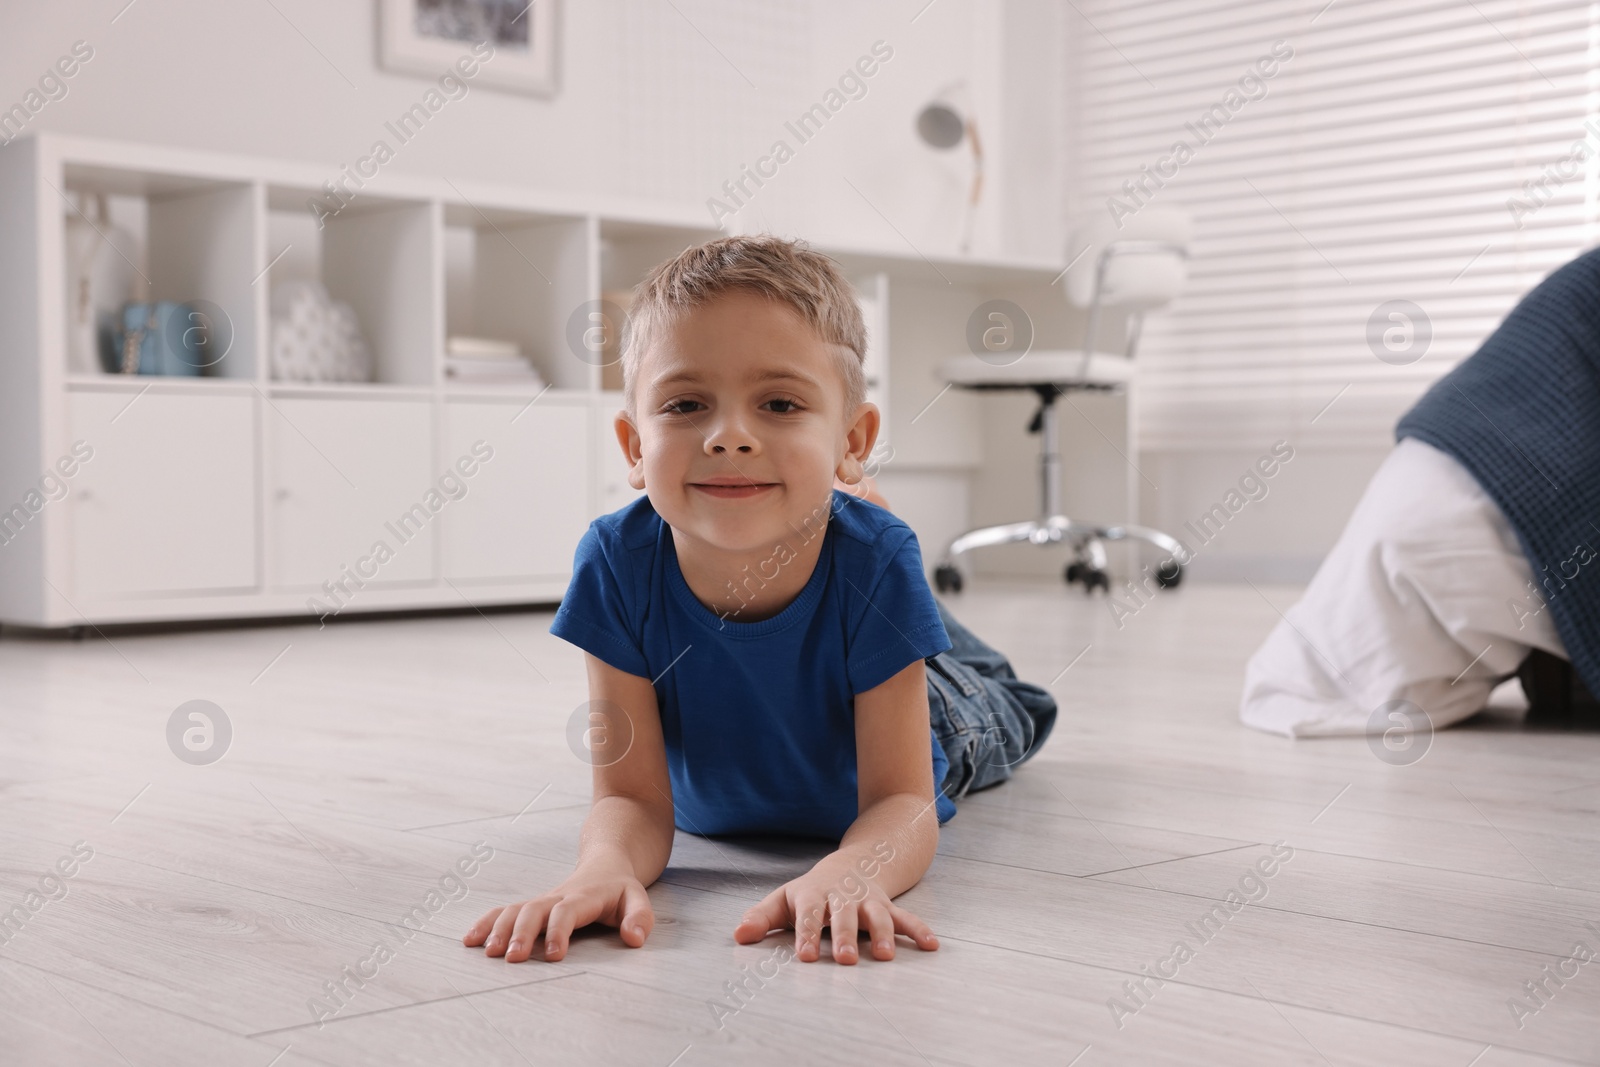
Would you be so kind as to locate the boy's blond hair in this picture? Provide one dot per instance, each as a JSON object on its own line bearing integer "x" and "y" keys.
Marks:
{"x": 787, "y": 271}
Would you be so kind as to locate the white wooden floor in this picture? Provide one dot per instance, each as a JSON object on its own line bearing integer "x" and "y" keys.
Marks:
{"x": 367, "y": 758}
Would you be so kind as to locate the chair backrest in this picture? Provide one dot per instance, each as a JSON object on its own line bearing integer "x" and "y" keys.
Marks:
{"x": 1138, "y": 272}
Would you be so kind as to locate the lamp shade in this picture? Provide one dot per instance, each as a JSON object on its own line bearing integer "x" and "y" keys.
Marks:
{"x": 940, "y": 125}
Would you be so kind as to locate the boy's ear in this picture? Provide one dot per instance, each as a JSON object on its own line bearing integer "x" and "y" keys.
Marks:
{"x": 628, "y": 438}
{"x": 858, "y": 441}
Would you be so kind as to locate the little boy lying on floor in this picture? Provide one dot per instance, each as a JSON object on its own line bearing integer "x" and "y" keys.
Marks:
{"x": 761, "y": 634}
{"x": 1476, "y": 542}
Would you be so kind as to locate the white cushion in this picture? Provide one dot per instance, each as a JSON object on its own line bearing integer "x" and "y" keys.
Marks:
{"x": 1047, "y": 367}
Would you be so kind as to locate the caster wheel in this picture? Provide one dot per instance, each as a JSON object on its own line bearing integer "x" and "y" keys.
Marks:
{"x": 1169, "y": 575}
{"x": 1074, "y": 572}
{"x": 1093, "y": 577}
{"x": 946, "y": 578}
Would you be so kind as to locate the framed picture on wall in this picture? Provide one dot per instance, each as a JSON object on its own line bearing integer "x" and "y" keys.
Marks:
{"x": 426, "y": 37}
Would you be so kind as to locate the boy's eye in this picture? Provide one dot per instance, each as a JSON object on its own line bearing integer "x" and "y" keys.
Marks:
{"x": 681, "y": 407}
{"x": 785, "y": 405}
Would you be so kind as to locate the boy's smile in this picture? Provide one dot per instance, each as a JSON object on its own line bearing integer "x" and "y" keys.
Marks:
{"x": 732, "y": 488}
{"x": 737, "y": 435}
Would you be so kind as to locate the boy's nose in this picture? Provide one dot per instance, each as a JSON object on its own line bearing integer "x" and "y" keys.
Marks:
{"x": 729, "y": 435}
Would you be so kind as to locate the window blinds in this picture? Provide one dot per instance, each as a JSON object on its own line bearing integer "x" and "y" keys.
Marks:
{"x": 1440, "y": 153}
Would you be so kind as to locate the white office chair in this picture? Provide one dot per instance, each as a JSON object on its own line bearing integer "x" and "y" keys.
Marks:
{"x": 1140, "y": 267}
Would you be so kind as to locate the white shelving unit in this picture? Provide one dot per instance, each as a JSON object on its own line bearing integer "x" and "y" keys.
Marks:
{"x": 234, "y": 495}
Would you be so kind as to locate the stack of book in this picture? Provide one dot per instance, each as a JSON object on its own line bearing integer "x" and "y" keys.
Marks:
{"x": 484, "y": 361}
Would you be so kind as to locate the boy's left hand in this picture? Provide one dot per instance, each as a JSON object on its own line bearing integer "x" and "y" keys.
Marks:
{"x": 834, "y": 895}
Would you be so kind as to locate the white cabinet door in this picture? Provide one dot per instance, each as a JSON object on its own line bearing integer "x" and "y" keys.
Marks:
{"x": 167, "y": 503}
{"x": 346, "y": 476}
{"x": 527, "y": 506}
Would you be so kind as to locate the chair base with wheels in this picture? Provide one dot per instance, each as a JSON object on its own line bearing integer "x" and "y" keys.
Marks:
{"x": 1087, "y": 540}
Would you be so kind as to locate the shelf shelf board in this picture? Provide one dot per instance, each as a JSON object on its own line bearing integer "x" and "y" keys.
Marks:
{"x": 151, "y": 182}
{"x": 133, "y": 383}
{"x": 515, "y": 392}
{"x": 289, "y": 199}
{"x": 386, "y": 390}
{"x": 936, "y": 269}
{"x": 472, "y": 216}
{"x": 634, "y": 230}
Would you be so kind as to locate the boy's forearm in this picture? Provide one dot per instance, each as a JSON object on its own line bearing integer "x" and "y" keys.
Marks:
{"x": 629, "y": 830}
{"x": 892, "y": 842}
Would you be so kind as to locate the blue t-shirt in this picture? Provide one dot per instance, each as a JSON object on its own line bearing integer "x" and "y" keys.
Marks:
{"x": 759, "y": 717}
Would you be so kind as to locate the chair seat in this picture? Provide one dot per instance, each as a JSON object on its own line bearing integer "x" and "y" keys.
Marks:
{"x": 1047, "y": 367}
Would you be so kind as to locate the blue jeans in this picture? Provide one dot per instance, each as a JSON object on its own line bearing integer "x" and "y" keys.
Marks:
{"x": 987, "y": 720}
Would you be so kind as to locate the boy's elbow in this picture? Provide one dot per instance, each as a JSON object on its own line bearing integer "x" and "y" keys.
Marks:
{"x": 654, "y": 810}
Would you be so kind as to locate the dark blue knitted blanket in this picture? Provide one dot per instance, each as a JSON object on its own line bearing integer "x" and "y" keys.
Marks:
{"x": 1522, "y": 414}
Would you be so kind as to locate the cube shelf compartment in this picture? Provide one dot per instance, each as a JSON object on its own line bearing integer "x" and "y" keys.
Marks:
{"x": 193, "y": 239}
{"x": 518, "y": 276}
{"x": 378, "y": 254}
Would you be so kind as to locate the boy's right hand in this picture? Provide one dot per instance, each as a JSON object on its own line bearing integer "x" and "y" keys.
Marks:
{"x": 603, "y": 893}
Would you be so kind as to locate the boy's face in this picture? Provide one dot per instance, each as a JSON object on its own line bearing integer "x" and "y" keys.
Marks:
{"x": 740, "y": 426}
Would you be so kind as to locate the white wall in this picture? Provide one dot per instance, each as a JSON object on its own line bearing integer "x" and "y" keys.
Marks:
{"x": 1280, "y": 537}
{"x": 658, "y": 100}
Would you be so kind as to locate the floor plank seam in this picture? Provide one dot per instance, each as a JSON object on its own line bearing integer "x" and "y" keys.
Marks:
{"x": 1253, "y": 998}
{"x": 320, "y": 904}
{"x": 486, "y": 818}
{"x": 1193, "y": 833}
{"x": 1298, "y": 848}
{"x": 1352, "y": 922}
{"x": 1534, "y": 791}
{"x": 121, "y": 995}
{"x": 343, "y": 1018}
{"x": 1449, "y": 870}
{"x": 1117, "y": 870}
{"x": 886, "y": 1045}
